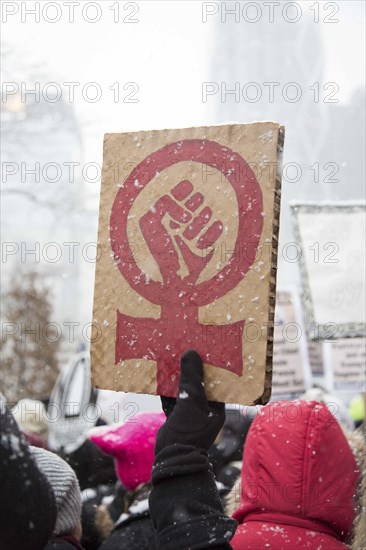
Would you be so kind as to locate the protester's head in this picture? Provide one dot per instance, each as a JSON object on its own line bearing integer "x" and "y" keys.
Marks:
{"x": 298, "y": 462}
{"x": 66, "y": 489}
{"x": 228, "y": 446}
{"x": 232, "y": 436}
{"x": 31, "y": 417}
{"x": 132, "y": 446}
{"x": 27, "y": 505}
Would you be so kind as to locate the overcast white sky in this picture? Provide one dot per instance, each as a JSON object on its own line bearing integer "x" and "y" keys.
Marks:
{"x": 167, "y": 53}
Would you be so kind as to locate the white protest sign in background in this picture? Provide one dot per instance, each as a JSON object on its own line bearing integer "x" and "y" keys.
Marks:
{"x": 331, "y": 245}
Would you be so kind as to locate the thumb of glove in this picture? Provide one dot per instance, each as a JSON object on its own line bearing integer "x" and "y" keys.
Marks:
{"x": 191, "y": 379}
{"x": 193, "y": 420}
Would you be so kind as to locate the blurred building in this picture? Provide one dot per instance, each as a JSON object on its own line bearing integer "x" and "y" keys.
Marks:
{"x": 324, "y": 141}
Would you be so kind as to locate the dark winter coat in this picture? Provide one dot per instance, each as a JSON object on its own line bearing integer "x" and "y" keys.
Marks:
{"x": 91, "y": 539}
{"x": 63, "y": 543}
{"x": 134, "y": 533}
{"x": 133, "y": 529}
{"x": 299, "y": 478}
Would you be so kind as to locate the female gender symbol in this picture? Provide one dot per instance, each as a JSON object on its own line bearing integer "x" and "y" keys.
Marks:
{"x": 164, "y": 340}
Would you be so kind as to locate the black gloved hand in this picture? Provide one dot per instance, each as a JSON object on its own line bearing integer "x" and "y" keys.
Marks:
{"x": 192, "y": 420}
{"x": 185, "y": 505}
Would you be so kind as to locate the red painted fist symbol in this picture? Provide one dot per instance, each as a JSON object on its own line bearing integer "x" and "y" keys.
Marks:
{"x": 176, "y": 228}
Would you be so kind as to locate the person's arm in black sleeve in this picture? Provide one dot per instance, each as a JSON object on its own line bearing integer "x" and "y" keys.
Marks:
{"x": 184, "y": 503}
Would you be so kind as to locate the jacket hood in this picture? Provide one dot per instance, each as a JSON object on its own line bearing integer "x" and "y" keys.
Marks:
{"x": 297, "y": 462}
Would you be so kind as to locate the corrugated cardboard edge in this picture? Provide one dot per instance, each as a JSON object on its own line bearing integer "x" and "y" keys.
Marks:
{"x": 265, "y": 397}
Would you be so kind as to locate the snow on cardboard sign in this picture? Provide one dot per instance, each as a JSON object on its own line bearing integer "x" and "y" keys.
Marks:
{"x": 188, "y": 228}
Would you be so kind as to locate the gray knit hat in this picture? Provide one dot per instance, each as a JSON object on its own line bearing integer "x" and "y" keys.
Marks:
{"x": 66, "y": 489}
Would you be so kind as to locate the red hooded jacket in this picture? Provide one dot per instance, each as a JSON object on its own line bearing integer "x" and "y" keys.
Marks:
{"x": 299, "y": 477}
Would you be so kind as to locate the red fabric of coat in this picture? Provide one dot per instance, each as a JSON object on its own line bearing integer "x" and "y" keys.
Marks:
{"x": 299, "y": 478}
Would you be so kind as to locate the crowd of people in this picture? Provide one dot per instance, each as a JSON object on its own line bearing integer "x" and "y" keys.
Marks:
{"x": 288, "y": 475}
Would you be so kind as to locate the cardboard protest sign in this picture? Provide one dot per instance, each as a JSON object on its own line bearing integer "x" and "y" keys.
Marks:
{"x": 331, "y": 246}
{"x": 188, "y": 229}
{"x": 291, "y": 368}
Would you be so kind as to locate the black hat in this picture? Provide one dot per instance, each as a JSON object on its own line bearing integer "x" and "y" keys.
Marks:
{"x": 28, "y": 513}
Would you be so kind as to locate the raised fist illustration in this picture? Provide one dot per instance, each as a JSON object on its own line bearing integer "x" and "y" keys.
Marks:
{"x": 176, "y": 228}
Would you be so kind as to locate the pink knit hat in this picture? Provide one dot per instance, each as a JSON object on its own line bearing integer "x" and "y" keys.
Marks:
{"x": 132, "y": 446}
